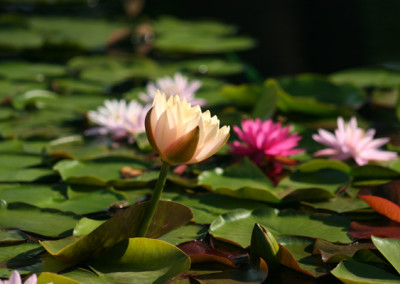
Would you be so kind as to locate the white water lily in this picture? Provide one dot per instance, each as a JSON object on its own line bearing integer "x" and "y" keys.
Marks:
{"x": 179, "y": 85}
{"x": 183, "y": 134}
{"x": 118, "y": 118}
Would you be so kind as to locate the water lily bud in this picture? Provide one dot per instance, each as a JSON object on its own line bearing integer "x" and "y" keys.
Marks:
{"x": 182, "y": 134}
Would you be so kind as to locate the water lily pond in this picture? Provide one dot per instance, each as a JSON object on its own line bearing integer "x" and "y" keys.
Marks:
{"x": 268, "y": 179}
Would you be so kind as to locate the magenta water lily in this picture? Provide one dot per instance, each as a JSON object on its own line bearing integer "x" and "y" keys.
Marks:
{"x": 264, "y": 142}
{"x": 350, "y": 141}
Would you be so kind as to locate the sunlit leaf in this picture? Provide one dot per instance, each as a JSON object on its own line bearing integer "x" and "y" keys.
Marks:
{"x": 123, "y": 225}
{"x": 236, "y": 226}
{"x": 389, "y": 249}
{"x": 352, "y": 272}
{"x": 50, "y": 223}
{"x": 242, "y": 180}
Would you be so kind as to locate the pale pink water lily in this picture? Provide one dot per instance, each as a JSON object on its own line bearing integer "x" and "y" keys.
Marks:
{"x": 350, "y": 141}
{"x": 183, "y": 134}
{"x": 265, "y": 143}
{"x": 177, "y": 86}
{"x": 15, "y": 278}
{"x": 119, "y": 119}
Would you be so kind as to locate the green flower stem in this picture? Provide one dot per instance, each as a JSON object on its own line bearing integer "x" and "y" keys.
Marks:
{"x": 155, "y": 198}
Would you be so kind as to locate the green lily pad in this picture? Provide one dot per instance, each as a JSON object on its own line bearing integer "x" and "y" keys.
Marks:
{"x": 38, "y": 98}
{"x": 100, "y": 172}
{"x": 300, "y": 105}
{"x": 69, "y": 86}
{"x": 186, "y": 233}
{"x": 207, "y": 207}
{"x": 301, "y": 249}
{"x": 138, "y": 260}
{"x": 389, "y": 248}
{"x": 367, "y": 77}
{"x": 236, "y": 226}
{"x": 35, "y": 194}
{"x": 20, "y": 254}
{"x": 242, "y": 180}
{"x": 39, "y": 72}
{"x": 371, "y": 175}
{"x": 89, "y": 33}
{"x": 349, "y": 271}
{"x": 17, "y": 39}
{"x": 212, "y": 66}
{"x": 27, "y": 218}
{"x": 122, "y": 226}
{"x": 245, "y": 95}
{"x": 48, "y": 277}
{"x": 12, "y": 236}
{"x": 339, "y": 204}
{"x": 317, "y": 179}
{"x": 322, "y": 90}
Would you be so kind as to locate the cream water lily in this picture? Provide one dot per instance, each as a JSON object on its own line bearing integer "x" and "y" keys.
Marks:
{"x": 181, "y": 134}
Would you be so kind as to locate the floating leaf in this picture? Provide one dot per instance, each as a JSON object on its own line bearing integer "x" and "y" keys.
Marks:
{"x": 266, "y": 104}
{"x": 186, "y": 233}
{"x": 138, "y": 260}
{"x": 317, "y": 179}
{"x": 19, "y": 252}
{"x": 90, "y": 33}
{"x": 20, "y": 70}
{"x": 322, "y": 90}
{"x": 236, "y": 226}
{"x": 296, "y": 253}
{"x": 27, "y": 218}
{"x": 371, "y": 175}
{"x": 368, "y": 77}
{"x": 349, "y": 271}
{"x": 12, "y": 236}
{"x": 242, "y": 180}
{"x": 99, "y": 172}
{"x": 389, "y": 248}
{"x": 207, "y": 207}
{"x": 123, "y": 225}
{"x": 48, "y": 277}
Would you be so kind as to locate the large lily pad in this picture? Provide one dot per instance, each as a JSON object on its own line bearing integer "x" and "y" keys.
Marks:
{"x": 389, "y": 249}
{"x": 123, "y": 225}
{"x": 236, "y": 226}
{"x": 100, "y": 172}
{"x": 51, "y": 223}
{"x": 243, "y": 180}
{"x": 352, "y": 272}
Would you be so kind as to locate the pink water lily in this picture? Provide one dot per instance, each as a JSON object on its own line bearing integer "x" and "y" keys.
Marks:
{"x": 16, "y": 279}
{"x": 265, "y": 142}
{"x": 179, "y": 85}
{"x": 350, "y": 141}
{"x": 183, "y": 134}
